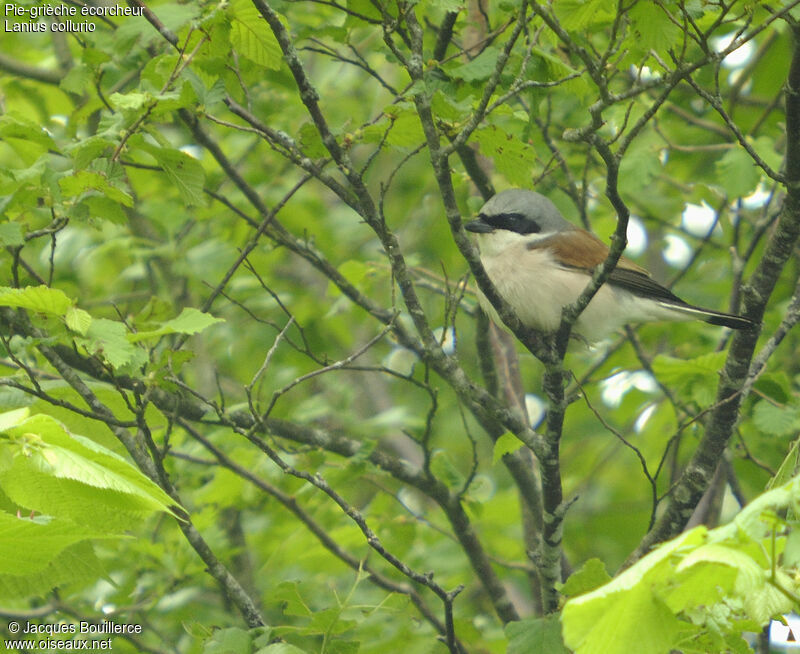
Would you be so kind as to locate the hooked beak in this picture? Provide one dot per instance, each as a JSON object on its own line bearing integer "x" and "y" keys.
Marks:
{"x": 479, "y": 226}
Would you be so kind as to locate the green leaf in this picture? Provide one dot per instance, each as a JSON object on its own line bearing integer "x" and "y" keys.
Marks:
{"x": 10, "y": 419}
{"x": 182, "y": 170}
{"x": 252, "y": 37}
{"x": 776, "y": 420}
{"x": 104, "y": 208}
{"x": 228, "y": 641}
{"x": 310, "y": 141}
{"x": 765, "y": 148}
{"x": 406, "y": 130}
{"x": 51, "y": 452}
{"x": 640, "y": 166}
{"x": 506, "y": 444}
{"x": 623, "y": 622}
{"x": 775, "y": 386}
{"x": 580, "y": 14}
{"x": 78, "y": 320}
{"x": 592, "y": 575}
{"x": 672, "y": 370}
{"x": 131, "y": 101}
{"x": 749, "y": 575}
{"x": 448, "y": 5}
{"x": 652, "y": 27}
{"x": 84, "y": 181}
{"x": 108, "y": 339}
{"x": 40, "y": 299}
{"x": 29, "y": 545}
{"x": 282, "y": 648}
{"x": 535, "y": 636}
{"x": 737, "y": 173}
{"x": 26, "y": 137}
{"x": 77, "y": 79}
{"x": 76, "y": 563}
{"x": 479, "y": 69}
{"x": 606, "y": 619}
{"x": 789, "y": 467}
{"x": 11, "y": 234}
{"x": 442, "y": 467}
{"x": 87, "y": 151}
{"x": 190, "y": 321}
{"x": 695, "y": 378}
{"x": 706, "y": 583}
{"x": 766, "y": 601}
{"x": 513, "y": 158}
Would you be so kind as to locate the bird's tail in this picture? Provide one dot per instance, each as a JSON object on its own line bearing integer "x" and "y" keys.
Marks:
{"x": 716, "y": 317}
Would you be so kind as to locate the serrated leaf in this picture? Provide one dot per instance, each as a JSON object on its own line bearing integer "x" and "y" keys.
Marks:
{"x": 514, "y": 158}
{"x": 767, "y": 601}
{"x": 29, "y": 545}
{"x": 75, "y": 563}
{"x": 737, "y": 173}
{"x": 310, "y": 141}
{"x": 765, "y": 147}
{"x": 252, "y": 37}
{"x": 775, "y": 386}
{"x": 190, "y": 321}
{"x": 406, "y": 130}
{"x": 76, "y": 79}
{"x": 78, "y": 320}
{"x": 592, "y": 575}
{"x": 750, "y": 576}
{"x": 653, "y": 28}
{"x": 587, "y": 625}
{"x": 60, "y": 454}
{"x": 40, "y": 299}
{"x": 704, "y": 583}
{"x": 506, "y": 444}
{"x": 26, "y": 137}
{"x": 696, "y": 377}
{"x": 131, "y": 101}
{"x": 226, "y": 641}
{"x": 104, "y": 208}
{"x": 776, "y": 420}
{"x": 633, "y": 617}
{"x": 184, "y": 171}
{"x": 88, "y": 150}
{"x": 84, "y": 181}
{"x": 535, "y": 635}
{"x": 580, "y": 14}
{"x": 479, "y": 69}
{"x": 108, "y": 339}
{"x": 673, "y": 369}
{"x": 640, "y": 166}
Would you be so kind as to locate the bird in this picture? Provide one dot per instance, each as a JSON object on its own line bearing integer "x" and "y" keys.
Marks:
{"x": 540, "y": 263}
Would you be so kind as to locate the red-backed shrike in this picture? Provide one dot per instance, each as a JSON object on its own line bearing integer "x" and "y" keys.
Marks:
{"x": 541, "y": 263}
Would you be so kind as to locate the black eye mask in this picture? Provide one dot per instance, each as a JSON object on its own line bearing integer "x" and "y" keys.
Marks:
{"x": 513, "y": 222}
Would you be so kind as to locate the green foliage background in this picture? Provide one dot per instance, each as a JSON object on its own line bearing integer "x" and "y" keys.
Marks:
{"x": 213, "y": 264}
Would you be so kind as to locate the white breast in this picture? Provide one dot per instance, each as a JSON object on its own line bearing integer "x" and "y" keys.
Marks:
{"x": 538, "y": 288}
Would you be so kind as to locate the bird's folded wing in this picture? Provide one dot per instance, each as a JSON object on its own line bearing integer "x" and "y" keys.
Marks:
{"x": 582, "y": 250}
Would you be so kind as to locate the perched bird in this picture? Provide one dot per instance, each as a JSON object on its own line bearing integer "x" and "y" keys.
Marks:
{"x": 541, "y": 263}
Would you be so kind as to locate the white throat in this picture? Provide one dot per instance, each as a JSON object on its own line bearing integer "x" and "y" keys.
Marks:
{"x": 495, "y": 243}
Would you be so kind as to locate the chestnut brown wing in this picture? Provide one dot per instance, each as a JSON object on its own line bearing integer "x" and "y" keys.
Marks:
{"x": 582, "y": 250}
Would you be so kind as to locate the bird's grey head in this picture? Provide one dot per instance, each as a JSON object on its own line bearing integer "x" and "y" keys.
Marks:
{"x": 520, "y": 211}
